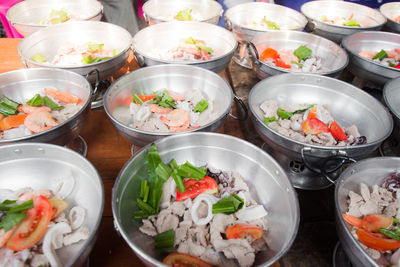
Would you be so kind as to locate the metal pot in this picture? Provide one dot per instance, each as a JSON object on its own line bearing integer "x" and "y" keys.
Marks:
{"x": 334, "y": 58}
{"x": 22, "y": 85}
{"x": 239, "y": 17}
{"x": 267, "y": 181}
{"x": 178, "y": 78}
{"x": 147, "y": 42}
{"x": 314, "y": 10}
{"x": 156, "y": 11}
{"x": 391, "y": 96}
{"x": 348, "y": 105}
{"x": 389, "y": 10}
{"x": 366, "y": 68}
{"x": 25, "y": 16}
{"x": 370, "y": 172}
{"x": 38, "y": 166}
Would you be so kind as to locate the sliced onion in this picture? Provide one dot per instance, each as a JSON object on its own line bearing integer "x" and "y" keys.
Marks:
{"x": 172, "y": 188}
{"x": 65, "y": 186}
{"x": 76, "y": 217}
{"x": 251, "y": 213}
{"x": 53, "y": 234}
{"x": 210, "y": 200}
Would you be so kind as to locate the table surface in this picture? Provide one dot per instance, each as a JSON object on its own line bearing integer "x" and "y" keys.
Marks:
{"x": 108, "y": 152}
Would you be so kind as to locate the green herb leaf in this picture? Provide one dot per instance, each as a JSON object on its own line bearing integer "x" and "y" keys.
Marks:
{"x": 8, "y": 107}
{"x": 163, "y": 99}
{"x": 206, "y": 48}
{"x": 190, "y": 40}
{"x": 201, "y": 106}
{"x": 145, "y": 207}
{"x": 38, "y": 58}
{"x": 304, "y": 109}
{"x": 7, "y": 204}
{"x": 271, "y": 25}
{"x": 163, "y": 171}
{"x": 94, "y": 47}
{"x": 381, "y": 55}
{"x": 284, "y": 114}
{"x": 50, "y": 103}
{"x": 185, "y": 14}
{"x": 187, "y": 170}
{"x": 88, "y": 60}
{"x": 391, "y": 64}
{"x": 61, "y": 14}
{"x": 114, "y": 52}
{"x": 268, "y": 120}
{"x": 228, "y": 205}
{"x": 302, "y": 52}
{"x": 352, "y": 23}
{"x": 165, "y": 240}
{"x": 35, "y": 101}
{"x": 9, "y": 220}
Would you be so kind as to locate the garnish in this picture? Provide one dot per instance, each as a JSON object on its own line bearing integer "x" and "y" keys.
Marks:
{"x": 165, "y": 240}
{"x": 58, "y": 16}
{"x": 381, "y": 55}
{"x": 38, "y": 58}
{"x": 185, "y": 14}
{"x": 37, "y": 100}
{"x": 137, "y": 99}
{"x": 352, "y": 23}
{"x": 201, "y": 106}
{"x": 271, "y": 25}
{"x": 8, "y": 107}
{"x": 177, "y": 178}
{"x": 94, "y": 47}
{"x": 187, "y": 170}
{"x": 284, "y": 114}
{"x": 228, "y": 205}
{"x": 302, "y": 53}
{"x": 14, "y": 213}
{"x": 163, "y": 99}
{"x": 191, "y": 40}
{"x": 268, "y": 120}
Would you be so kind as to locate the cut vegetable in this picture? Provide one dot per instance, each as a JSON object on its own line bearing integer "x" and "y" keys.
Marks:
{"x": 187, "y": 170}
{"x": 251, "y": 213}
{"x": 376, "y": 241}
{"x": 371, "y": 223}
{"x": 228, "y": 205}
{"x": 201, "y": 106}
{"x": 239, "y": 231}
{"x": 194, "y": 188}
{"x": 314, "y": 126}
{"x": 12, "y": 121}
{"x": 337, "y": 132}
{"x": 184, "y": 260}
{"x": 165, "y": 240}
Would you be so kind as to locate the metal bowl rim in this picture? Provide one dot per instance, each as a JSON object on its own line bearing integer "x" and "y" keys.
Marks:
{"x": 126, "y": 76}
{"x": 182, "y": 62}
{"x": 94, "y": 231}
{"x": 79, "y": 66}
{"x": 388, "y": 18}
{"x": 139, "y": 251}
{"x": 331, "y": 148}
{"x": 88, "y": 101}
{"x": 346, "y": 39}
{"x": 385, "y": 96}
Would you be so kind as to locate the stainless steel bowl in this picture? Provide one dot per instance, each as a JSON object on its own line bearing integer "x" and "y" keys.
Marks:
{"x": 26, "y": 15}
{"x": 375, "y": 41}
{"x": 22, "y": 85}
{"x": 39, "y": 166}
{"x": 389, "y": 10}
{"x": 147, "y": 43}
{"x": 370, "y": 172}
{"x": 333, "y": 57}
{"x": 267, "y": 181}
{"x": 391, "y": 96}
{"x": 178, "y": 78}
{"x": 239, "y": 19}
{"x": 314, "y": 10}
{"x": 47, "y": 42}
{"x": 157, "y": 11}
{"x": 348, "y": 105}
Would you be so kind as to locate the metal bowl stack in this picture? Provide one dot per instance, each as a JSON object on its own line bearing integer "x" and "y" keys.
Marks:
{"x": 22, "y": 85}
{"x": 157, "y": 11}
{"x": 391, "y": 96}
{"x": 266, "y": 179}
{"x": 40, "y": 166}
{"x": 372, "y": 19}
{"x": 26, "y": 15}
{"x": 371, "y": 41}
{"x": 333, "y": 57}
{"x": 149, "y": 42}
{"x": 391, "y": 10}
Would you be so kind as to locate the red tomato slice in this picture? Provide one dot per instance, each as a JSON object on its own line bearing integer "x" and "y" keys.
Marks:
{"x": 280, "y": 63}
{"x": 371, "y": 223}
{"x": 184, "y": 260}
{"x": 238, "y": 231}
{"x": 337, "y": 132}
{"x": 314, "y": 126}
{"x": 4, "y": 236}
{"x": 194, "y": 188}
{"x": 269, "y": 53}
{"x": 31, "y": 229}
{"x": 376, "y": 241}
{"x": 204, "y": 55}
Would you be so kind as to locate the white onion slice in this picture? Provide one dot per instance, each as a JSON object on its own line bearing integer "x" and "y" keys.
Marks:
{"x": 173, "y": 188}
{"x": 65, "y": 186}
{"x": 251, "y": 213}
{"x": 209, "y": 200}
{"x": 76, "y": 217}
{"x": 51, "y": 235}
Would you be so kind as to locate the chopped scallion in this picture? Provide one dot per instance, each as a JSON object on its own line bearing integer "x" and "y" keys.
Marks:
{"x": 187, "y": 170}
{"x": 35, "y": 101}
{"x": 201, "y": 106}
{"x": 137, "y": 99}
{"x": 50, "y": 103}
{"x": 165, "y": 240}
{"x": 228, "y": 205}
{"x": 8, "y": 107}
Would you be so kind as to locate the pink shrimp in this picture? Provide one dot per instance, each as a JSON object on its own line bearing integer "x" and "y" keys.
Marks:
{"x": 40, "y": 121}
{"x": 62, "y": 96}
{"x": 287, "y": 56}
{"x": 27, "y": 196}
{"x": 159, "y": 110}
{"x": 366, "y": 54}
{"x": 4, "y": 236}
{"x": 176, "y": 118}
{"x": 176, "y": 96}
{"x": 29, "y": 109}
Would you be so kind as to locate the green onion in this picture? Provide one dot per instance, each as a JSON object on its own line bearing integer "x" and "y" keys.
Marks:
{"x": 271, "y": 25}
{"x": 201, "y": 106}
{"x": 163, "y": 99}
{"x": 137, "y": 99}
{"x": 7, "y": 106}
{"x": 284, "y": 114}
{"x": 296, "y": 63}
{"x": 178, "y": 181}
{"x": 145, "y": 207}
{"x": 190, "y": 40}
{"x": 22, "y": 207}
{"x": 187, "y": 170}
{"x": 50, "y": 103}
{"x": 163, "y": 171}
{"x": 38, "y": 58}
{"x": 352, "y": 23}
{"x": 88, "y": 60}
{"x": 381, "y": 55}
{"x": 173, "y": 164}
{"x": 228, "y": 205}
{"x": 95, "y": 47}
{"x": 61, "y": 14}
{"x": 303, "y": 52}
{"x": 395, "y": 220}
{"x": 205, "y": 48}
{"x": 304, "y": 109}
{"x": 35, "y": 101}
{"x": 165, "y": 240}
{"x": 7, "y": 204}
{"x": 391, "y": 64}
{"x": 9, "y": 220}
{"x": 390, "y": 233}
{"x": 155, "y": 184}
{"x": 185, "y": 14}
{"x": 140, "y": 215}
{"x": 144, "y": 190}
{"x": 268, "y": 120}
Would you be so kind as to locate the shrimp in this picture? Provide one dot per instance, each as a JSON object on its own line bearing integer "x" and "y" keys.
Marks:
{"x": 29, "y": 195}
{"x": 177, "y": 118}
{"x": 176, "y": 96}
{"x": 40, "y": 121}
{"x": 159, "y": 110}
{"x": 62, "y": 96}
{"x": 287, "y": 56}
{"x": 366, "y": 54}
{"x": 4, "y": 236}
{"x": 29, "y": 109}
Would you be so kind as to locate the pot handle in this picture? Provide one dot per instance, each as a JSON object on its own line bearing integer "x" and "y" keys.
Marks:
{"x": 310, "y": 26}
{"x": 139, "y": 58}
{"x": 245, "y": 110}
{"x": 228, "y": 24}
{"x": 253, "y": 53}
{"x": 97, "y": 82}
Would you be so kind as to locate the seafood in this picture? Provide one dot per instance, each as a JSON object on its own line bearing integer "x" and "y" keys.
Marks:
{"x": 59, "y": 16}
{"x": 396, "y": 18}
{"x": 40, "y": 121}
{"x": 389, "y": 58}
{"x": 264, "y": 24}
{"x": 186, "y": 14}
{"x": 188, "y": 49}
{"x": 342, "y": 21}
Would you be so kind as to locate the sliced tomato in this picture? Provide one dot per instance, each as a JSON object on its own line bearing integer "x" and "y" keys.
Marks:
{"x": 146, "y": 97}
{"x": 371, "y": 223}
{"x": 314, "y": 126}
{"x": 184, "y": 260}
{"x": 4, "y": 236}
{"x": 312, "y": 113}
{"x": 31, "y": 229}
{"x": 377, "y": 241}
{"x": 238, "y": 231}
{"x": 269, "y": 53}
{"x": 397, "y": 66}
{"x": 194, "y": 188}
{"x": 57, "y": 206}
{"x": 280, "y": 63}
{"x": 337, "y": 132}
{"x": 204, "y": 55}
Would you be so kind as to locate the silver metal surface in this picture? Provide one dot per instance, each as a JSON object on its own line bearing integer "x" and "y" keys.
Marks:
{"x": 155, "y": 11}
{"x": 39, "y": 166}
{"x": 22, "y": 85}
{"x": 267, "y": 181}
{"x": 333, "y": 57}
{"x": 48, "y": 41}
{"x": 147, "y": 43}
{"x": 178, "y": 78}
{"x": 314, "y": 10}
{"x": 26, "y": 15}
{"x": 370, "y": 172}
{"x": 239, "y": 18}
{"x": 340, "y": 258}
{"x": 389, "y": 10}
{"x": 366, "y": 68}
{"x": 391, "y": 96}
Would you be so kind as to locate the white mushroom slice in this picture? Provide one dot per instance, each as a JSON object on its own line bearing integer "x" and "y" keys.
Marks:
{"x": 80, "y": 234}
{"x": 65, "y": 186}
{"x": 251, "y": 213}
{"x": 209, "y": 200}
{"x": 51, "y": 235}
{"x": 76, "y": 217}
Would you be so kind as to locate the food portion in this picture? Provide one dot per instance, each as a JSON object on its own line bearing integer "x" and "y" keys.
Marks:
{"x": 186, "y": 14}
{"x": 188, "y": 49}
{"x": 70, "y": 54}
{"x": 200, "y": 215}
{"x": 309, "y": 123}
{"x": 389, "y": 58}
{"x": 34, "y": 224}
{"x": 374, "y": 214}
{"x": 168, "y": 111}
{"x": 42, "y": 112}
{"x": 263, "y": 25}
{"x": 299, "y": 60}
{"x": 396, "y": 18}
{"x": 342, "y": 21}
{"x": 59, "y": 16}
